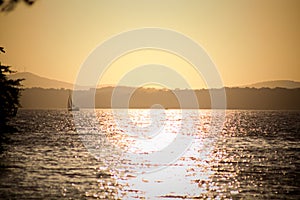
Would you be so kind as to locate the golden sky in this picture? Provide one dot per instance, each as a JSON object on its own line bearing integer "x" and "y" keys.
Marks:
{"x": 249, "y": 41}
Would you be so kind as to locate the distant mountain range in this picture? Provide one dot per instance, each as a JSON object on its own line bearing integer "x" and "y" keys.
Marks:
{"x": 33, "y": 80}
{"x": 275, "y": 84}
{"x": 44, "y": 93}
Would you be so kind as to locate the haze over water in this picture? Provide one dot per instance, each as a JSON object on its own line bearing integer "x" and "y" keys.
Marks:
{"x": 254, "y": 156}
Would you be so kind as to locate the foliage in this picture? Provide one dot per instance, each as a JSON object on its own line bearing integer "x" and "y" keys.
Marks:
{"x": 9, "y": 5}
{"x": 9, "y": 95}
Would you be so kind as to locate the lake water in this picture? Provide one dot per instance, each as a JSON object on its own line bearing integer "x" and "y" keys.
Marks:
{"x": 151, "y": 155}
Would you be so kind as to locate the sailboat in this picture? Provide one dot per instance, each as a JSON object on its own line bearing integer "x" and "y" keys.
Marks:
{"x": 71, "y": 106}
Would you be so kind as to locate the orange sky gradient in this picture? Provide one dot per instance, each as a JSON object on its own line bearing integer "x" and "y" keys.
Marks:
{"x": 249, "y": 41}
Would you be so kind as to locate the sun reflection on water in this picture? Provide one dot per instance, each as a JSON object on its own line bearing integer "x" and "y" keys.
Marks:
{"x": 190, "y": 174}
{"x": 254, "y": 156}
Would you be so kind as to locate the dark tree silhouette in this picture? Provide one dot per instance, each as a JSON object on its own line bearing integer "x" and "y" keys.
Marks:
{"x": 9, "y": 89}
{"x": 9, "y": 5}
{"x": 2, "y": 49}
{"x": 9, "y": 95}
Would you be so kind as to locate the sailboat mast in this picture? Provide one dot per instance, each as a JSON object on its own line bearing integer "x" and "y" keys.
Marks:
{"x": 70, "y": 104}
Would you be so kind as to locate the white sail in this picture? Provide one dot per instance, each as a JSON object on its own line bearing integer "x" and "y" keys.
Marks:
{"x": 69, "y": 103}
{"x": 71, "y": 107}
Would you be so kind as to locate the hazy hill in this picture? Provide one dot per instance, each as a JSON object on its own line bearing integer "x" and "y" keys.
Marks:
{"x": 273, "y": 84}
{"x": 38, "y": 95}
{"x": 32, "y": 80}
